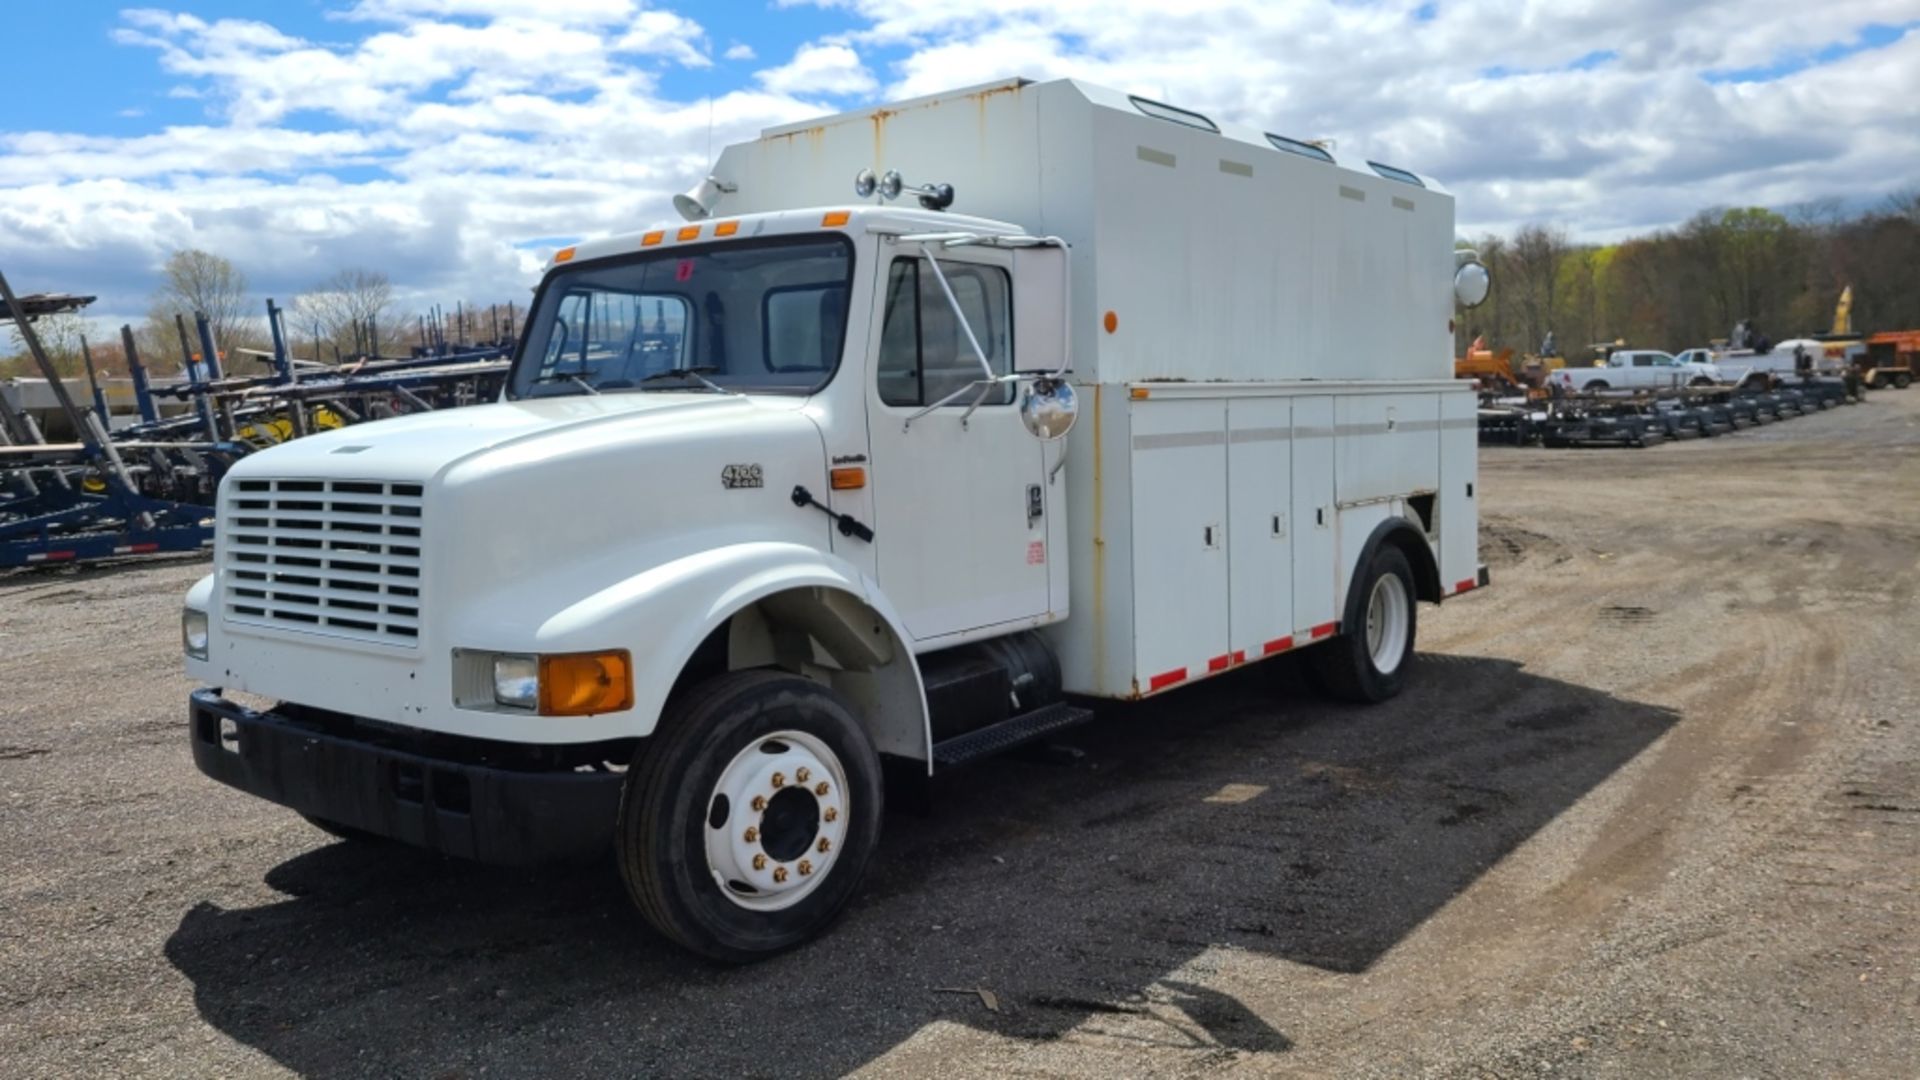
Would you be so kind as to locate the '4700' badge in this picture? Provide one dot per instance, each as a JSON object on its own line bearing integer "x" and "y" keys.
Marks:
{"x": 741, "y": 476}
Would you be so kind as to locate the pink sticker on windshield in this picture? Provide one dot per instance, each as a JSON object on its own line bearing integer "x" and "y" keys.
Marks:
{"x": 683, "y": 272}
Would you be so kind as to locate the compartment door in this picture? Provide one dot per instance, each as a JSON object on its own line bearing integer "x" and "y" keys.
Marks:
{"x": 1316, "y": 568}
{"x": 1458, "y": 507}
{"x": 1179, "y": 540}
{"x": 1260, "y": 525}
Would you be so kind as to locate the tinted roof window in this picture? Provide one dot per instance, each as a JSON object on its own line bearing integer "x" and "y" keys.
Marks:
{"x": 1161, "y": 111}
{"x": 1392, "y": 173}
{"x": 1295, "y": 146}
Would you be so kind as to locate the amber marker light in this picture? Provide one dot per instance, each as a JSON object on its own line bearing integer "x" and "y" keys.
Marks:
{"x": 849, "y": 479}
{"x": 563, "y": 255}
{"x": 726, "y": 228}
{"x": 691, "y": 232}
{"x": 583, "y": 684}
{"x": 652, "y": 238}
{"x": 836, "y": 217}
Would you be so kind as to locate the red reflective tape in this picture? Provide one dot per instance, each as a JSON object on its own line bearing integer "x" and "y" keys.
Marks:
{"x": 55, "y": 556}
{"x": 1220, "y": 663}
{"x": 1166, "y": 679}
{"x": 1464, "y": 584}
{"x": 142, "y": 549}
{"x": 1239, "y": 656}
{"x": 1277, "y": 645}
{"x": 1324, "y": 630}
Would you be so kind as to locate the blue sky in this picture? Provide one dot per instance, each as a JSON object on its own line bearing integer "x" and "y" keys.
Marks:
{"x": 454, "y": 143}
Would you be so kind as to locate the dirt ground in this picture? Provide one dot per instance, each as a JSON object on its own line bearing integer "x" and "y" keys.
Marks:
{"x": 1652, "y": 809}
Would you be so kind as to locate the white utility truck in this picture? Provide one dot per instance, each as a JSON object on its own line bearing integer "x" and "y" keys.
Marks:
{"x": 1642, "y": 369}
{"x": 786, "y": 507}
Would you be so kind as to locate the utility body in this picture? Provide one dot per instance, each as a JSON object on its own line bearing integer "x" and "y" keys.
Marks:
{"x": 792, "y": 505}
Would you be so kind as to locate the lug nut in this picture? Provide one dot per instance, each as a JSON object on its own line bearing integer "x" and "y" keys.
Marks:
{"x": 821, "y": 789}
{"x": 759, "y": 803}
{"x": 805, "y": 868}
{"x": 825, "y": 845}
{"x": 779, "y": 874}
{"x": 759, "y": 862}
{"x": 800, "y": 775}
{"x": 753, "y": 834}
{"x": 779, "y": 779}
{"x": 831, "y": 813}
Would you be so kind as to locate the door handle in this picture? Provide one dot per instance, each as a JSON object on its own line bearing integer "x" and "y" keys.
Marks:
{"x": 1036, "y": 504}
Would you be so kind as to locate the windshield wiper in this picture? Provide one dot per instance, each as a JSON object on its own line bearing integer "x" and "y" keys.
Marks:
{"x": 556, "y": 376}
{"x": 697, "y": 373}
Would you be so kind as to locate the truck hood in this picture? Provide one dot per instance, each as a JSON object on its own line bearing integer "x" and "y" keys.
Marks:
{"x": 530, "y": 506}
{"x": 424, "y": 446}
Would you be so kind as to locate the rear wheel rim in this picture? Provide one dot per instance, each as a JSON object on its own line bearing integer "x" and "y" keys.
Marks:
{"x": 776, "y": 821}
{"x": 1389, "y": 613}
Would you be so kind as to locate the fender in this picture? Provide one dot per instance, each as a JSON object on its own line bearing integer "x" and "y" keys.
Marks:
{"x": 664, "y": 614}
{"x": 1402, "y": 533}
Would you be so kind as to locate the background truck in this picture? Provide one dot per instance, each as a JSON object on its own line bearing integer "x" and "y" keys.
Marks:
{"x": 1639, "y": 369}
{"x": 1889, "y": 359}
{"x": 786, "y": 508}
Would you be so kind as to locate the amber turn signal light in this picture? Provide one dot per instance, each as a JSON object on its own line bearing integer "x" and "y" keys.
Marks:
{"x": 583, "y": 684}
{"x": 850, "y": 479}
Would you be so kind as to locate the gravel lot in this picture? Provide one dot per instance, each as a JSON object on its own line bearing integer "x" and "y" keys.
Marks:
{"x": 1652, "y": 809}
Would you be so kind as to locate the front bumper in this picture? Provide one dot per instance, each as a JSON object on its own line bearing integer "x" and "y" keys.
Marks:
{"x": 484, "y": 812}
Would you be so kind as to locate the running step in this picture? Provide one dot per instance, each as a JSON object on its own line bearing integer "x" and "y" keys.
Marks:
{"x": 1007, "y": 734}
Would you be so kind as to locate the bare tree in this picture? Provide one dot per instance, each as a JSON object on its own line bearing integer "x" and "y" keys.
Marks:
{"x": 59, "y": 335}
{"x": 197, "y": 281}
{"x": 1534, "y": 258}
{"x": 347, "y": 311}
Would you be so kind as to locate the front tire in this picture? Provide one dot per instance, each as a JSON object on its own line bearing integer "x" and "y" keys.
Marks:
{"x": 1368, "y": 661}
{"x": 749, "y": 817}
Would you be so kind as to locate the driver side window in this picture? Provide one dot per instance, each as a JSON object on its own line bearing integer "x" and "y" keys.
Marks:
{"x": 924, "y": 354}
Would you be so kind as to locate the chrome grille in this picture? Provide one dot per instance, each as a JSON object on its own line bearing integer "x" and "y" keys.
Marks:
{"x": 339, "y": 557}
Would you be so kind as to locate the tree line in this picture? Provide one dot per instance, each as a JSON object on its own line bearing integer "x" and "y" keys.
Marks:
{"x": 1687, "y": 286}
{"x": 349, "y": 313}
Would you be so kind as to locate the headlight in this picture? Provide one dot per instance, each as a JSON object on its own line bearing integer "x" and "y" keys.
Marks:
{"x": 193, "y": 632}
{"x": 516, "y": 681}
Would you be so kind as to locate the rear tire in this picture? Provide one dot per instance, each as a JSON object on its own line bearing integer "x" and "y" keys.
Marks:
{"x": 1598, "y": 384}
{"x": 720, "y": 858}
{"x": 1369, "y": 660}
{"x": 1902, "y": 381}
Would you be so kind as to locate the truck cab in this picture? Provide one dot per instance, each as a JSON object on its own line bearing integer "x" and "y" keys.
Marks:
{"x": 785, "y": 508}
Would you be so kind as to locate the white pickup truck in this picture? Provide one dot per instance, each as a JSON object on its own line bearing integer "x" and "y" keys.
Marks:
{"x": 785, "y": 507}
{"x": 1641, "y": 369}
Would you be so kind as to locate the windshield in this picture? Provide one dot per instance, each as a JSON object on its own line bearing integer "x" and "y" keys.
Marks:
{"x": 760, "y": 316}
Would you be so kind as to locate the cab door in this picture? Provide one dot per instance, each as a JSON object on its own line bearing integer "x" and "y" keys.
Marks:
{"x": 960, "y": 493}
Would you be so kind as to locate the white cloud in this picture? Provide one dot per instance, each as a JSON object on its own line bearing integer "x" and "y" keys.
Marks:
{"x": 475, "y": 131}
{"x": 820, "y": 69}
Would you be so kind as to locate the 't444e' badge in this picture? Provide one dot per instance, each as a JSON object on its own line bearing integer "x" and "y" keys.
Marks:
{"x": 742, "y": 476}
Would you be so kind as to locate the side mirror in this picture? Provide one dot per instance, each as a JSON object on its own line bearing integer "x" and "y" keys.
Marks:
{"x": 1048, "y": 408}
{"x": 1470, "y": 280}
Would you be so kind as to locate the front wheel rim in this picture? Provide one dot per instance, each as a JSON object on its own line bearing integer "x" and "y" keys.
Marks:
{"x": 1389, "y": 614}
{"x": 776, "y": 821}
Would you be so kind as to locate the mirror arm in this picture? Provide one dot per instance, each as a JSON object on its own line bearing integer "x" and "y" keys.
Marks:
{"x": 986, "y": 370}
{"x": 984, "y": 384}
